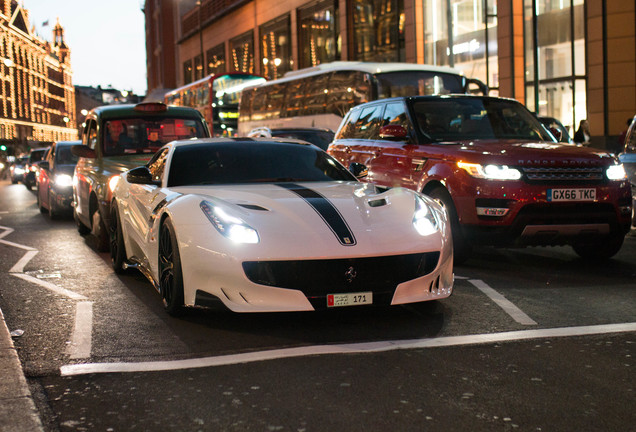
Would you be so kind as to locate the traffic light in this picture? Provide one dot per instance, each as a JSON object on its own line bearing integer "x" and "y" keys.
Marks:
{"x": 3, "y": 147}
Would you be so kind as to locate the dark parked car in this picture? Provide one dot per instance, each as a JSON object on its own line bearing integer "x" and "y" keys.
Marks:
{"x": 18, "y": 168}
{"x": 318, "y": 136}
{"x": 30, "y": 174}
{"x": 115, "y": 139}
{"x": 55, "y": 180}
{"x": 503, "y": 178}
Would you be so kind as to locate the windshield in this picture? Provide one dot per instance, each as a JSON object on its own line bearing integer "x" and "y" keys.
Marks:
{"x": 459, "y": 119}
{"x": 143, "y": 135}
{"x": 252, "y": 162}
{"x": 417, "y": 83}
{"x": 64, "y": 156}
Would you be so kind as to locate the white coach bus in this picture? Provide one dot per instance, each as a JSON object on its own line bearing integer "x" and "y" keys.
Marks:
{"x": 320, "y": 96}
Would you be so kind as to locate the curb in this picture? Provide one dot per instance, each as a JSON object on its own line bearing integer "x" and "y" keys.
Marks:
{"x": 17, "y": 409}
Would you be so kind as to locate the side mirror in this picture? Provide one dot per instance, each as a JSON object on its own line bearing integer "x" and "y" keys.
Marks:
{"x": 140, "y": 175}
{"x": 83, "y": 151}
{"x": 359, "y": 170}
{"x": 556, "y": 132}
{"x": 44, "y": 165}
{"x": 395, "y": 132}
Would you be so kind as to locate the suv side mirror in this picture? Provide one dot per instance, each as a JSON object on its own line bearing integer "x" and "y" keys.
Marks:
{"x": 83, "y": 151}
{"x": 140, "y": 175}
{"x": 359, "y": 170}
{"x": 395, "y": 132}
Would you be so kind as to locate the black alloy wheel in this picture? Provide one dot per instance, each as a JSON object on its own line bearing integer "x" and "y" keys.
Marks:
{"x": 170, "y": 276}
{"x": 53, "y": 210}
{"x": 117, "y": 246}
{"x": 601, "y": 250}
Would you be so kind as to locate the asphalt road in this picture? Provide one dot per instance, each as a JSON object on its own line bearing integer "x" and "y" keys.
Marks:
{"x": 532, "y": 339}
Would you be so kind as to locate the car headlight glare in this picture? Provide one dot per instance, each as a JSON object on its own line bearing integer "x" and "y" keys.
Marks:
{"x": 18, "y": 171}
{"x": 229, "y": 226}
{"x": 424, "y": 219}
{"x": 616, "y": 172}
{"x": 490, "y": 172}
{"x": 63, "y": 180}
{"x": 112, "y": 183}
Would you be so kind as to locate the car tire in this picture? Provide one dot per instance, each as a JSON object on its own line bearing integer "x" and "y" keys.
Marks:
{"x": 461, "y": 247}
{"x": 170, "y": 274}
{"x": 99, "y": 231}
{"x": 117, "y": 246}
{"x": 81, "y": 228}
{"x": 600, "y": 250}
{"x": 39, "y": 203}
{"x": 53, "y": 211}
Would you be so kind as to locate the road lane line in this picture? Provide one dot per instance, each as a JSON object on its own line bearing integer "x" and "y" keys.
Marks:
{"x": 356, "y": 348}
{"x": 80, "y": 347}
{"x": 508, "y": 307}
{"x": 8, "y": 243}
{"x": 51, "y": 287}
{"x": 6, "y": 232}
{"x": 19, "y": 266}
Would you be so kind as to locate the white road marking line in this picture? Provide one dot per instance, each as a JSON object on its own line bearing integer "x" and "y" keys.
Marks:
{"x": 19, "y": 266}
{"x": 81, "y": 341}
{"x": 6, "y": 232}
{"x": 51, "y": 287}
{"x": 8, "y": 243}
{"x": 508, "y": 307}
{"x": 357, "y": 348}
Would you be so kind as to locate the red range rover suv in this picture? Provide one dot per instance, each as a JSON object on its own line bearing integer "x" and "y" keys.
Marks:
{"x": 503, "y": 178}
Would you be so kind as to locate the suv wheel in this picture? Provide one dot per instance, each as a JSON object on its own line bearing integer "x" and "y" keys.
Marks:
{"x": 461, "y": 246}
{"x": 600, "y": 250}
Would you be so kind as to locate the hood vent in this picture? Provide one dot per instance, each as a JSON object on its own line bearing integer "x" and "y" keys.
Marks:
{"x": 377, "y": 202}
{"x": 253, "y": 207}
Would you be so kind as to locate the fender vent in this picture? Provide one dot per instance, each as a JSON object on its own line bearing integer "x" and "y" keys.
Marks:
{"x": 253, "y": 207}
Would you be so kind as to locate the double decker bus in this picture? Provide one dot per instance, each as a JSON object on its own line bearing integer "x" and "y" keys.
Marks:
{"x": 216, "y": 97}
{"x": 320, "y": 96}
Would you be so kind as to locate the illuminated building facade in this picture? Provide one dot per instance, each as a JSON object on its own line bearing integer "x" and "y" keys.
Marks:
{"x": 37, "y": 98}
{"x": 569, "y": 59}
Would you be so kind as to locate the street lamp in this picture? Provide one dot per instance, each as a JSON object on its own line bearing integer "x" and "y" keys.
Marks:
{"x": 8, "y": 62}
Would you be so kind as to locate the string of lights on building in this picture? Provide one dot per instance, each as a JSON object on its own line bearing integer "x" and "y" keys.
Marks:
{"x": 37, "y": 97}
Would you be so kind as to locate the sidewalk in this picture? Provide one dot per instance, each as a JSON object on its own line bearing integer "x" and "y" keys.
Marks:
{"x": 17, "y": 410}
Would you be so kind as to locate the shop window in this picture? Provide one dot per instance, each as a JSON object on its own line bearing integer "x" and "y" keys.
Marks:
{"x": 216, "y": 60}
{"x": 187, "y": 72}
{"x": 275, "y": 40}
{"x": 378, "y": 30}
{"x": 318, "y": 33}
{"x": 242, "y": 53}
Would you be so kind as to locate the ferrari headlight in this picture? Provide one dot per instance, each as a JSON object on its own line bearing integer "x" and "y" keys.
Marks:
{"x": 616, "y": 172}
{"x": 490, "y": 172}
{"x": 63, "y": 180}
{"x": 229, "y": 226}
{"x": 424, "y": 219}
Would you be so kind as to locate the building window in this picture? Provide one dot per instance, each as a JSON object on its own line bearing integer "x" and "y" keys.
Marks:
{"x": 187, "y": 71}
{"x": 216, "y": 60}
{"x": 469, "y": 43}
{"x": 242, "y": 53}
{"x": 554, "y": 43}
{"x": 275, "y": 38}
{"x": 318, "y": 34}
{"x": 198, "y": 67}
{"x": 378, "y": 30}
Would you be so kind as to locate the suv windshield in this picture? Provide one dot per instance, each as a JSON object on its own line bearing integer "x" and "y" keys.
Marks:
{"x": 459, "y": 119}
{"x": 409, "y": 83}
{"x": 141, "y": 135}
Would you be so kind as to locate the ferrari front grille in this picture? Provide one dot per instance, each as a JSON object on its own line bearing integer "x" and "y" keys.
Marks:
{"x": 320, "y": 277}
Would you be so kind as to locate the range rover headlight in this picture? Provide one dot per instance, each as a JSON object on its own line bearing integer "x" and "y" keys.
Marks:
{"x": 424, "y": 220}
{"x": 491, "y": 171}
{"x": 229, "y": 226}
{"x": 616, "y": 172}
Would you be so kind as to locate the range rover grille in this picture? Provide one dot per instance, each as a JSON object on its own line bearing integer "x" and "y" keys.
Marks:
{"x": 563, "y": 174}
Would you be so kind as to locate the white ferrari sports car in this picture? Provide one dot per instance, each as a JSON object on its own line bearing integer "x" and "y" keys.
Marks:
{"x": 264, "y": 225}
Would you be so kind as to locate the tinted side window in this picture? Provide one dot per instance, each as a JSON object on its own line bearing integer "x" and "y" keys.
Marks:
{"x": 369, "y": 122}
{"x": 394, "y": 114}
{"x": 316, "y": 94}
{"x": 349, "y": 128}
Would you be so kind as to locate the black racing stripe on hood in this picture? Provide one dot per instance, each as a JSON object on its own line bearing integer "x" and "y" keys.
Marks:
{"x": 326, "y": 210}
